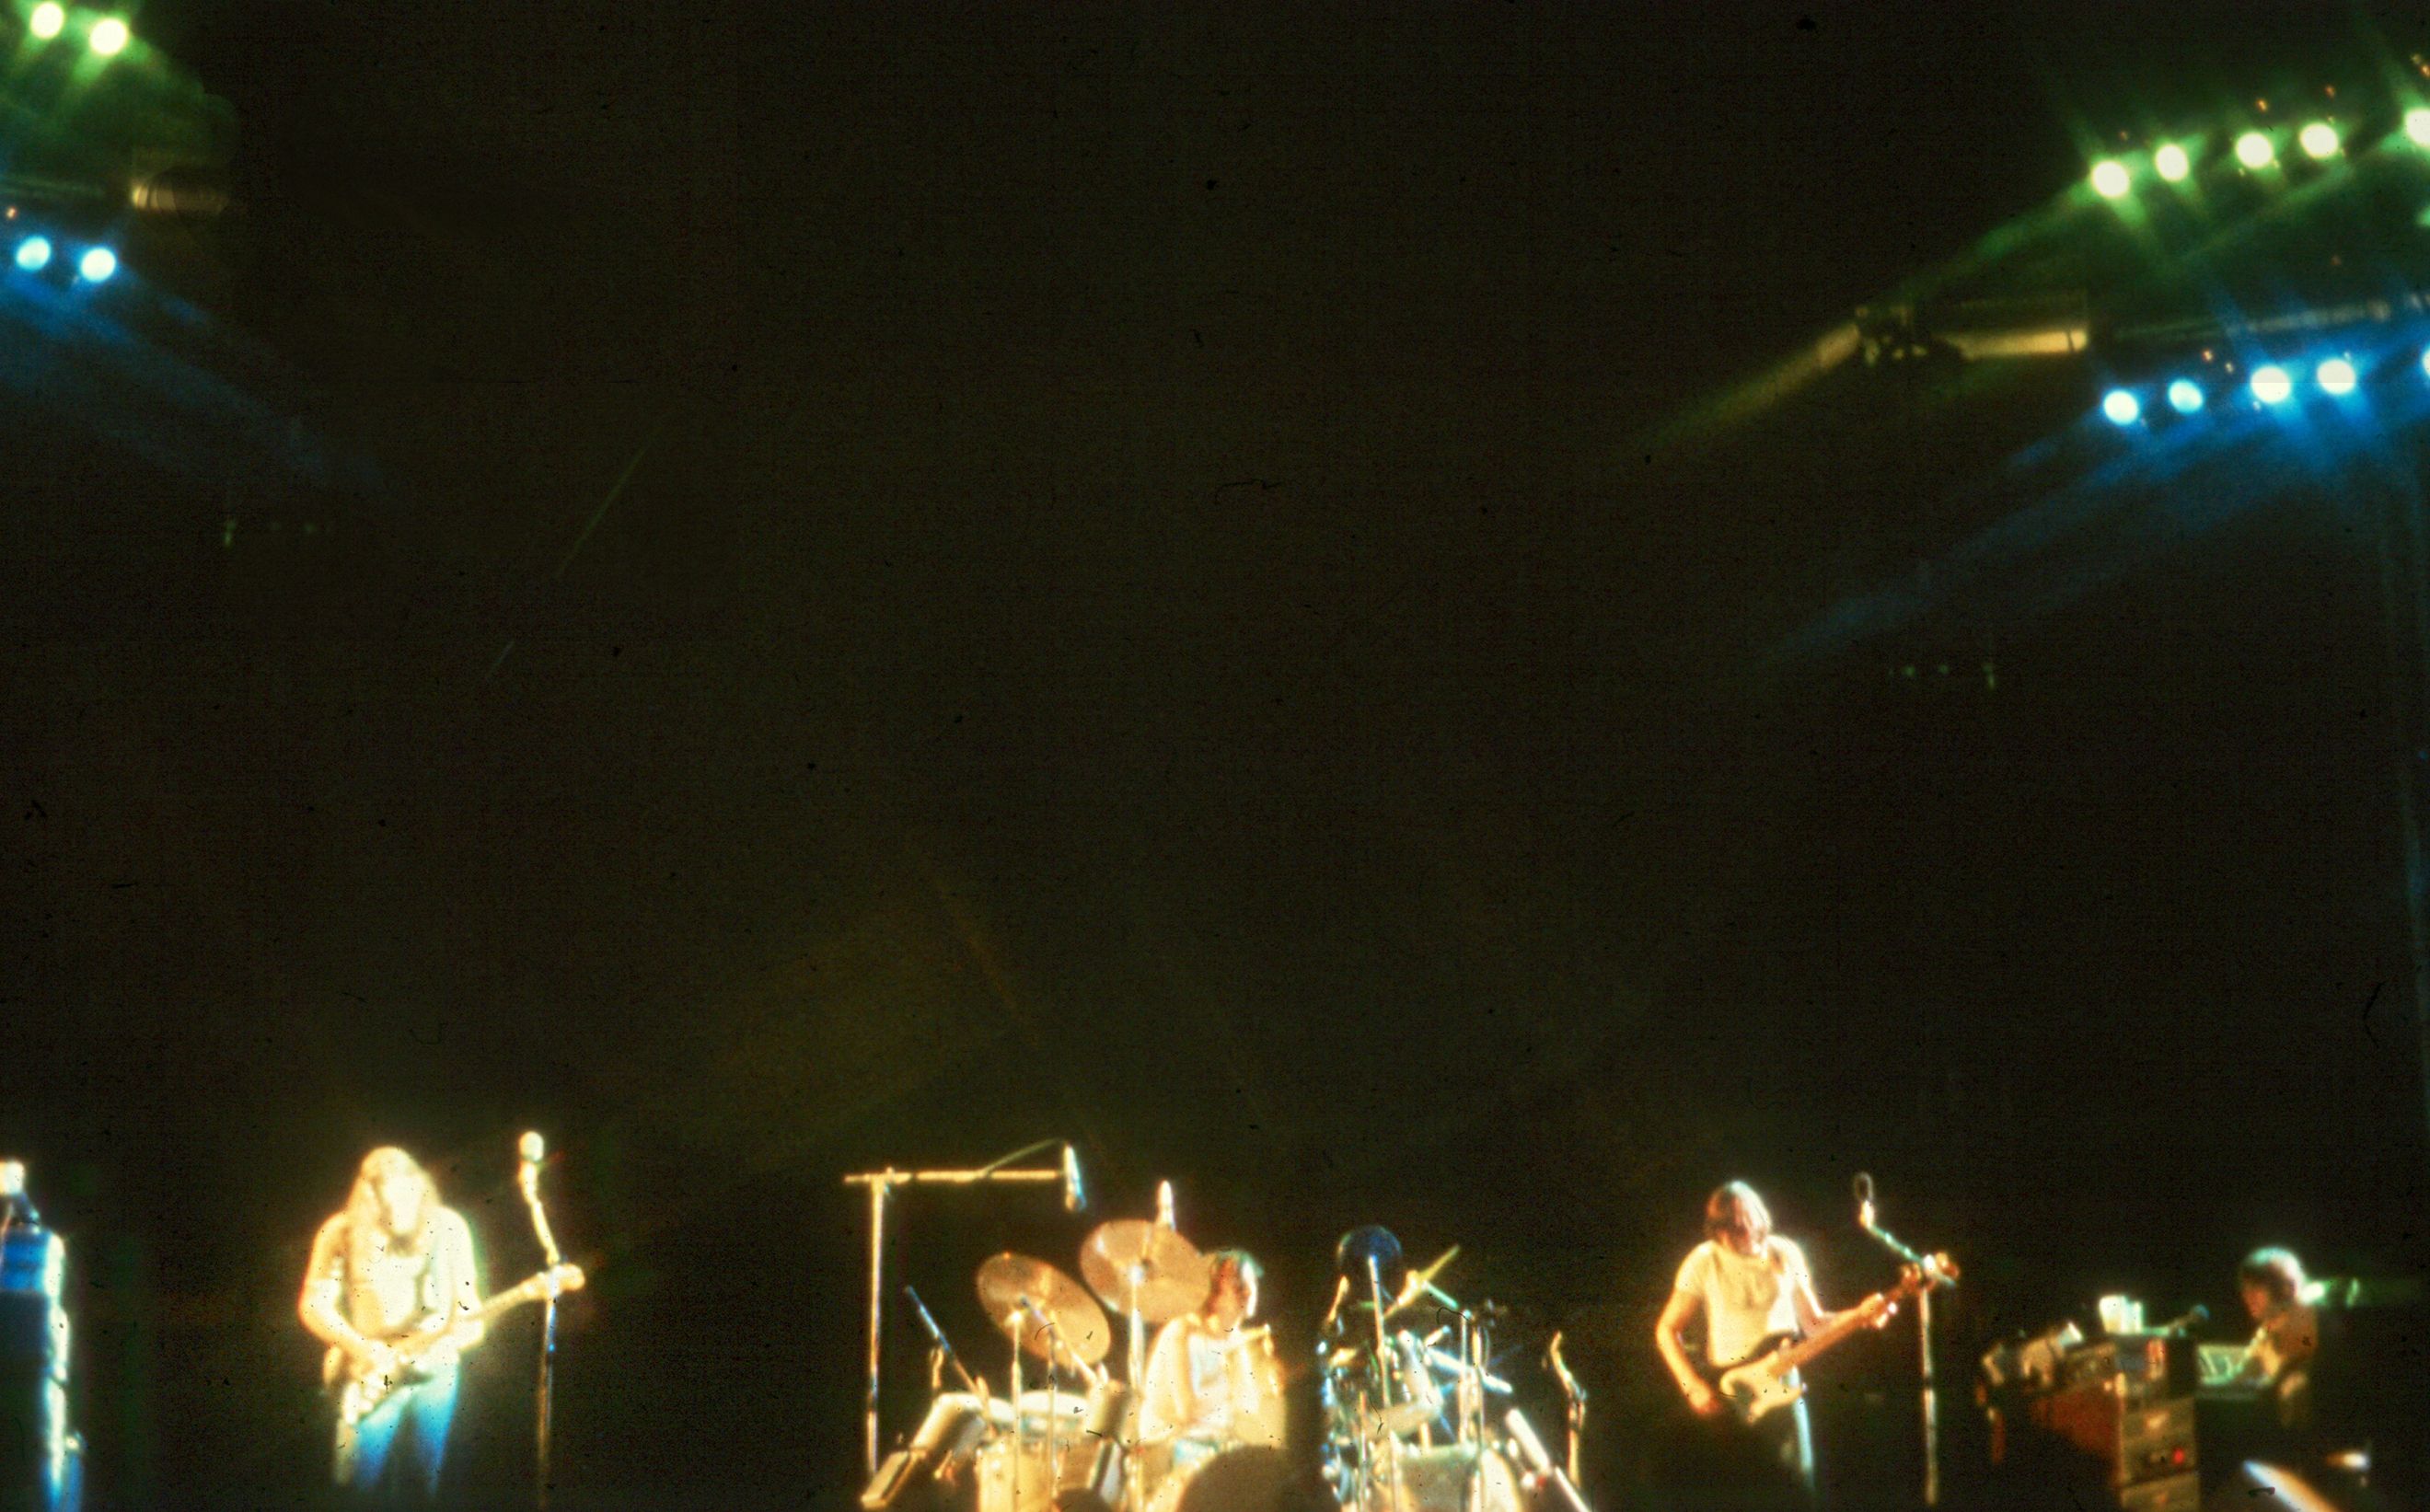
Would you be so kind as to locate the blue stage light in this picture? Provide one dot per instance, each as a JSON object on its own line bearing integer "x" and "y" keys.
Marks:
{"x": 2337, "y": 377}
{"x": 2271, "y": 385}
{"x": 34, "y": 254}
{"x": 2186, "y": 396}
{"x": 2122, "y": 406}
{"x": 96, "y": 266}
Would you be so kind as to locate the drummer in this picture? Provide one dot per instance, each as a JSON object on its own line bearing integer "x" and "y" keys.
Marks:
{"x": 1212, "y": 1380}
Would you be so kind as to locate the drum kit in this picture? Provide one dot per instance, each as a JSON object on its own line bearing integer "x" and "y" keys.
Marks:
{"x": 1403, "y": 1368}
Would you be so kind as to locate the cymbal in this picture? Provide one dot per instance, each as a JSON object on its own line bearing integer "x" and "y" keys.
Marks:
{"x": 1143, "y": 1267}
{"x": 1421, "y": 1282}
{"x": 1061, "y": 1322}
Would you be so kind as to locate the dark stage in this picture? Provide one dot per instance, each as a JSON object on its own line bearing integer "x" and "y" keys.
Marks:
{"x": 1294, "y": 597}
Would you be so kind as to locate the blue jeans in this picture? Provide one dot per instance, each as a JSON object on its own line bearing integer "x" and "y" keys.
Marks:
{"x": 418, "y": 1415}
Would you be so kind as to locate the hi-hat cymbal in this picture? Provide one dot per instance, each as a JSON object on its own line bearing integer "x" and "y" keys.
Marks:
{"x": 1142, "y": 1267}
{"x": 1052, "y": 1315}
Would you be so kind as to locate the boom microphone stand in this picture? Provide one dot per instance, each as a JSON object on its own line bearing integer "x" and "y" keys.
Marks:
{"x": 881, "y": 1185}
{"x": 1934, "y": 1277}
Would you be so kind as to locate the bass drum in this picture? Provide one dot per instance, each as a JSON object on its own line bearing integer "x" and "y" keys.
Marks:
{"x": 1437, "y": 1480}
{"x": 1015, "y": 1474}
{"x": 1250, "y": 1478}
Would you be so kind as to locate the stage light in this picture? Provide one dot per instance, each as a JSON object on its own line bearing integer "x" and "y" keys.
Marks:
{"x": 2318, "y": 140}
{"x": 2271, "y": 384}
{"x": 2186, "y": 396}
{"x": 96, "y": 266}
{"x": 2417, "y": 126}
{"x": 2122, "y": 406}
{"x": 34, "y": 254}
{"x": 2337, "y": 377}
{"x": 2253, "y": 150}
{"x": 110, "y": 37}
{"x": 2110, "y": 179}
{"x": 2172, "y": 163}
{"x": 2426, "y": 362}
{"x": 49, "y": 19}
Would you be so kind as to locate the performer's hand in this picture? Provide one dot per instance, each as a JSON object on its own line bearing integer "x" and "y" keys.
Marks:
{"x": 378, "y": 1361}
{"x": 1882, "y": 1319}
{"x": 1704, "y": 1401}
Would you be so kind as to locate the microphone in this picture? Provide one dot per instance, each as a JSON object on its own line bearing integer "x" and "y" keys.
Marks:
{"x": 1164, "y": 1205}
{"x": 1863, "y": 1187}
{"x": 2192, "y": 1317}
{"x": 1561, "y": 1371}
{"x": 529, "y": 1149}
{"x": 1075, "y": 1196}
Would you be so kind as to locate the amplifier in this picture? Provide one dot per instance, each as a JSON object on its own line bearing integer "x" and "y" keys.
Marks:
{"x": 2136, "y": 1442}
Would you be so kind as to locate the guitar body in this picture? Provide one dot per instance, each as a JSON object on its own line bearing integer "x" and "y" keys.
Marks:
{"x": 360, "y": 1389}
{"x": 1762, "y": 1383}
{"x": 1767, "y": 1381}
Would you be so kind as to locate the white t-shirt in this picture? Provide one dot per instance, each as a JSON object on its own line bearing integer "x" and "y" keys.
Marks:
{"x": 1745, "y": 1300}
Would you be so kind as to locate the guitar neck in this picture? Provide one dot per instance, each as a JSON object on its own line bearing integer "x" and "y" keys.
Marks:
{"x": 1860, "y": 1316}
{"x": 487, "y": 1313}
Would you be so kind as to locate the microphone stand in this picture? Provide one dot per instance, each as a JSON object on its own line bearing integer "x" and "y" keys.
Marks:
{"x": 1577, "y": 1401}
{"x": 881, "y": 1185}
{"x": 545, "y": 1392}
{"x": 1930, "y": 1396}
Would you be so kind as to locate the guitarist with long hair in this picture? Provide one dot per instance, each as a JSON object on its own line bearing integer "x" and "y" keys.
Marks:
{"x": 390, "y": 1289}
{"x": 1748, "y": 1286}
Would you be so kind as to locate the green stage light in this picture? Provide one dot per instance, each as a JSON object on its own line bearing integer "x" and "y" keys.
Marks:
{"x": 2417, "y": 126}
{"x": 2109, "y": 179}
{"x": 49, "y": 20}
{"x": 2172, "y": 163}
{"x": 2319, "y": 141}
{"x": 2253, "y": 150}
{"x": 110, "y": 37}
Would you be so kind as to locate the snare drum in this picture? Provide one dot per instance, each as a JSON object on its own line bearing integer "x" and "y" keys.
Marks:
{"x": 1015, "y": 1472}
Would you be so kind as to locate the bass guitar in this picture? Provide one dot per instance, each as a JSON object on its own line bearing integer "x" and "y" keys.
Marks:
{"x": 361, "y": 1386}
{"x": 1766, "y": 1381}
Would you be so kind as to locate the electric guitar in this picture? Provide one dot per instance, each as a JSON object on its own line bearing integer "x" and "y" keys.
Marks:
{"x": 1765, "y": 1381}
{"x": 361, "y": 1388}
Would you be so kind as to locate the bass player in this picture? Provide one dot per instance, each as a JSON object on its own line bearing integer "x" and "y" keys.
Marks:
{"x": 1746, "y": 1284}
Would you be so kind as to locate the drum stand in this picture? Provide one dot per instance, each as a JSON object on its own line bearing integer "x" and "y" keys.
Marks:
{"x": 1383, "y": 1380}
{"x": 881, "y": 1185}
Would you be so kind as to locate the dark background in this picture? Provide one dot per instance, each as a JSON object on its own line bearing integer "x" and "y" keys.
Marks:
{"x": 774, "y": 591}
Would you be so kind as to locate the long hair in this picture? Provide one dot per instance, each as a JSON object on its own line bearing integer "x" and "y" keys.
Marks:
{"x": 2276, "y": 1272}
{"x": 1723, "y": 1208}
{"x": 1232, "y": 1268}
{"x": 364, "y": 1217}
